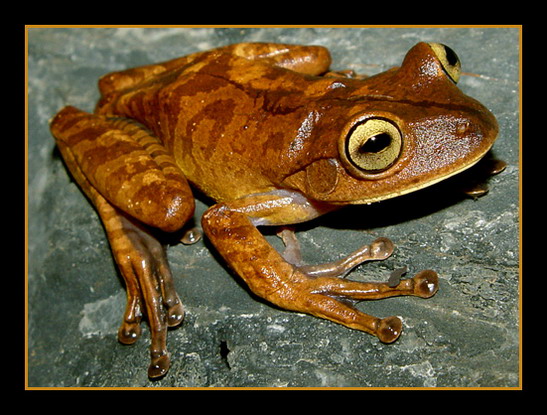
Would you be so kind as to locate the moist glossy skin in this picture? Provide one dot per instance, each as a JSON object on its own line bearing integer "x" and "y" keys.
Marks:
{"x": 275, "y": 139}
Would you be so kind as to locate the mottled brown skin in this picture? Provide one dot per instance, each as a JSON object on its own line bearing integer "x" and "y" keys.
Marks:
{"x": 265, "y": 130}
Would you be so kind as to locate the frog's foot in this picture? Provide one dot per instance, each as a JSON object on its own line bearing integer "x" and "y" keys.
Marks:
{"x": 131, "y": 179}
{"x": 327, "y": 297}
{"x": 475, "y": 178}
{"x": 149, "y": 283}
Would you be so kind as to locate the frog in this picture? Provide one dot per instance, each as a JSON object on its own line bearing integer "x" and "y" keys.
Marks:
{"x": 273, "y": 138}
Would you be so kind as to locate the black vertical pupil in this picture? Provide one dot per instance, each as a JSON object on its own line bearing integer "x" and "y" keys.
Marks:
{"x": 376, "y": 143}
{"x": 451, "y": 56}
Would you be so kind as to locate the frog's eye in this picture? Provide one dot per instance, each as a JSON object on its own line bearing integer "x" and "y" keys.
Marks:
{"x": 374, "y": 145}
{"x": 449, "y": 60}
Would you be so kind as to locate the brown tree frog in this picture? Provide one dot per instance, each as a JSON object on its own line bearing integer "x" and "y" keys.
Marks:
{"x": 275, "y": 139}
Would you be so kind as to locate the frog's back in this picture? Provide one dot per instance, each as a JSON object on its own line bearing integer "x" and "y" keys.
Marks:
{"x": 229, "y": 123}
{"x": 312, "y": 60}
{"x": 211, "y": 111}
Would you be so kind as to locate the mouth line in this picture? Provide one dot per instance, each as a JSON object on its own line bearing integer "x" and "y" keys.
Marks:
{"x": 422, "y": 185}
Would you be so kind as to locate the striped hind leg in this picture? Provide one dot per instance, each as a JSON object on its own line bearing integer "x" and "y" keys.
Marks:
{"x": 135, "y": 187}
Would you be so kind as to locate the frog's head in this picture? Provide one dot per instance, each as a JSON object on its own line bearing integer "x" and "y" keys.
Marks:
{"x": 408, "y": 128}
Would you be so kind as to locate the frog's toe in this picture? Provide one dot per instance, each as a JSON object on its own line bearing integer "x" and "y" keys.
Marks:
{"x": 378, "y": 250}
{"x": 331, "y": 298}
{"x": 175, "y": 315}
{"x": 389, "y": 329}
{"x": 426, "y": 283}
{"x": 159, "y": 366}
{"x": 191, "y": 236}
{"x": 128, "y": 333}
{"x": 334, "y": 308}
{"x": 130, "y": 329}
{"x": 151, "y": 291}
{"x": 381, "y": 248}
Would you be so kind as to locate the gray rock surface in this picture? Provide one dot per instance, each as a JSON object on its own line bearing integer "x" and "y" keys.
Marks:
{"x": 465, "y": 336}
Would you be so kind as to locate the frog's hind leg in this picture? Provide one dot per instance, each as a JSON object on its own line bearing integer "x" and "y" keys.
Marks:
{"x": 127, "y": 165}
{"x": 130, "y": 78}
{"x": 135, "y": 187}
{"x": 310, "y": 60}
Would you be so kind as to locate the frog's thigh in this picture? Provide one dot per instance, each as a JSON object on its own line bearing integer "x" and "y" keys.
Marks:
{"x": 140, "y": 257}
{"x": 120, "y": 80}
{"x": 126, "y": 165}
{"x": 311, "y": 60}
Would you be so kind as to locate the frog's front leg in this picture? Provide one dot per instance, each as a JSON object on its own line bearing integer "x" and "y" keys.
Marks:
{"x": 135, "y": 186}
{"x": 231, "y": 227}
